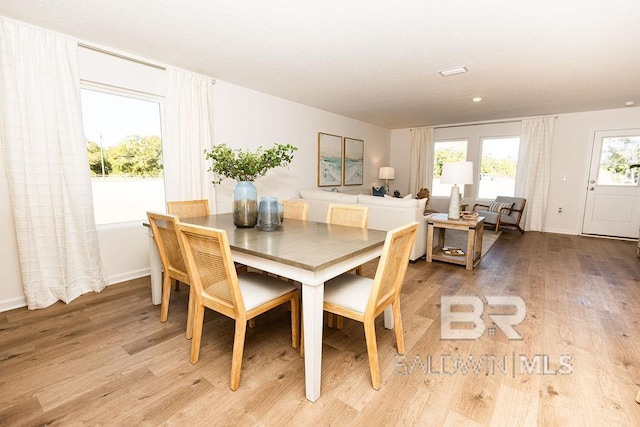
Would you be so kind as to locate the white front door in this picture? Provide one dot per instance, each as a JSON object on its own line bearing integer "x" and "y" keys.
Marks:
{"x": 613, "y": 195}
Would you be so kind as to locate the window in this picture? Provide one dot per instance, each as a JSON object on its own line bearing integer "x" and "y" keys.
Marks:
{"x": 498, "y": 166}
{"x": 445, "y": 152}
{"x": 616, "y": 158}
{"x": 124, "y": 143}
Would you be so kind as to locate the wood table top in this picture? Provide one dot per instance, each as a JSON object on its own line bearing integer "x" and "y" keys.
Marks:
{"x": 305, "y": 244}
{"x": 443, "y": 218}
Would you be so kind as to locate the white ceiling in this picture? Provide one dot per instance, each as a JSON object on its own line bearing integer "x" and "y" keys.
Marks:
{"x": 378, "y": 61}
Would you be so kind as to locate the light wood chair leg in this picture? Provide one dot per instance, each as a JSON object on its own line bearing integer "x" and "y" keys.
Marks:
{"x": 252, "y": 323}
{"x": 198, "y": 319}
{"x": 177, "y": 286}
{"x": 339, "y": 321}
{"x": 166, "y": 295}
{"x": 330, "y": 320}
{"x": 190, "y": 311}
{"x": 238, "y": 350}
{"x": 372, "y": 350}
{"x": 397, "y": 325}
{"x": 295, "y": 321}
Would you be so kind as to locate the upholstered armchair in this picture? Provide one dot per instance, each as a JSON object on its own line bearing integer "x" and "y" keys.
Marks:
{"x": 504, "y": 211}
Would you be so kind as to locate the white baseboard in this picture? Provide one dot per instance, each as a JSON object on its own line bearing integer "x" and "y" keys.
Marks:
{"x": 129, "y": 275}
{"x": 561, "y": 231}
{"x": 11, "y": 303}
{"x": 18, "y": 302}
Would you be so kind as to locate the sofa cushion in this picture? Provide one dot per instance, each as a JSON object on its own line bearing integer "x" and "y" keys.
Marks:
{"x": 329, "y": 196}
{"x": 387, "y": 201}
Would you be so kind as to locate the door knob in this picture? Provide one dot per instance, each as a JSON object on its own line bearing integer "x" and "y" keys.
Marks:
{"x": 593, "y": 181}
{"x": 591, "y": 188}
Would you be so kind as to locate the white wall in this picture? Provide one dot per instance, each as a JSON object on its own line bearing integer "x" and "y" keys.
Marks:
{"x": 571, "y": 151}
{"x": 242, "y": 118}
{"x": 246, "y": 118}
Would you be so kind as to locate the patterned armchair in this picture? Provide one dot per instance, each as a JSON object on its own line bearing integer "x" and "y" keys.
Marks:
{"x": 504, "y": 211}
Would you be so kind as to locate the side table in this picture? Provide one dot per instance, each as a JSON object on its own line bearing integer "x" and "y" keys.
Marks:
{"x": 474, "y": 229}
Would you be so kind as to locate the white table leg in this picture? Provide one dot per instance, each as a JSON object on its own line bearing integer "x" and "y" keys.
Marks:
{"x": 312, "y": 299}
{"x": 156, "y": 271}
{"x": 388, "y": 317}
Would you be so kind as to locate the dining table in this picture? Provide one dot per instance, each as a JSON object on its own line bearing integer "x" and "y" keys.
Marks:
{"x": 305, "y": 251}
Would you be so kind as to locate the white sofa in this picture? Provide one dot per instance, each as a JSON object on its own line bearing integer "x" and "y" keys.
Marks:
{"x": 385, "y": 213}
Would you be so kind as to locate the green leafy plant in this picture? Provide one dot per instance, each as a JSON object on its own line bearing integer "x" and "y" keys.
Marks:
{"x": 245, "y": 165}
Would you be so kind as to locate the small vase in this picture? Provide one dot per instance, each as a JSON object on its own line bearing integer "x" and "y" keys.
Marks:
{"x": 268, "y": 216}
{"x": 245, "y": 204}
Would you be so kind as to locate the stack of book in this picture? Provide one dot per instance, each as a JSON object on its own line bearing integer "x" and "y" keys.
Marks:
{"x": 449, "y": 250}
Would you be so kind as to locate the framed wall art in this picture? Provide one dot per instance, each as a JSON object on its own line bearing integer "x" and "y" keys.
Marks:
{"x": 329, "y": 160}
{"x": 353, "y": 167}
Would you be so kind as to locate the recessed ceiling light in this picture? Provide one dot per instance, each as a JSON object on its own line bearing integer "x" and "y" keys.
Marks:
{"x": 453, "y": 71}
{"x": 630, "y": 103}
{"x": 477, "y": 99}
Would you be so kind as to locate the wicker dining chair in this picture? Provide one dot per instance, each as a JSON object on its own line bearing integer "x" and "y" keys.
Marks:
{"x": 350, "y": 216}
{"x": 165, "y": 234}
{"x": 295, "y": 209}
{"x": 363, "y": 299}
{"x": 217, "y": 286}
{"x": 189, "y": 209}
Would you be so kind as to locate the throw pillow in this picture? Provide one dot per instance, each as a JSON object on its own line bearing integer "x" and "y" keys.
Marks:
{"x": 497, "y": 207}
{"x": 380, "y": 192}
{"x": 408, "y": 196}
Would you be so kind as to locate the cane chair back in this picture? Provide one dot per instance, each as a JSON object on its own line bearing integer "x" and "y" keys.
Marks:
{"x": 348, "y": 215}
{"x": 296, "y": 209}
{"x": 189, "y": 208}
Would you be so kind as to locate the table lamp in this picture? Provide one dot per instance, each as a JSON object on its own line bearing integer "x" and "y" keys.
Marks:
{"x": 387, "y": 173}
{"x": 456, "y": 173}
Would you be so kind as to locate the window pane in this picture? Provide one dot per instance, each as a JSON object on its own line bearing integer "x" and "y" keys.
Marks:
{"x": 498, "y": 166}
{"x": 618, "y": 153}
{"x": 124, "y": 144}
{"x": 445, "y": 152}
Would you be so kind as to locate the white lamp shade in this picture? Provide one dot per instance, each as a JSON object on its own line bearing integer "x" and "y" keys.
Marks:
{"x": 387, "y": 172}
{"x": 460, "y": 173}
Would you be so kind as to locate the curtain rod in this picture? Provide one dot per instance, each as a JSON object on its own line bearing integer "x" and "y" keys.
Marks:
{"x": 118, "y": 55}
{"x": 489, "y": 122}
{"x": 127, "y": 58}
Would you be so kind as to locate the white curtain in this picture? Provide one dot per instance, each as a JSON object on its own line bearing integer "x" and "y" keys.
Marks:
{"x": 47, "y": 165}
{"x": 533, "y": 178}
{"x": 189, "y": 131}
{"x": 421, "y": 158}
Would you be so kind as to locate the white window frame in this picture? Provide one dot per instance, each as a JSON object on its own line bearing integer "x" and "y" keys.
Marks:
{"x": 139, "y": 95}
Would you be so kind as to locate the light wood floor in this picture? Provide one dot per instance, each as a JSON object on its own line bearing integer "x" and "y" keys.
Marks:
{"x": 106, "y": 358}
